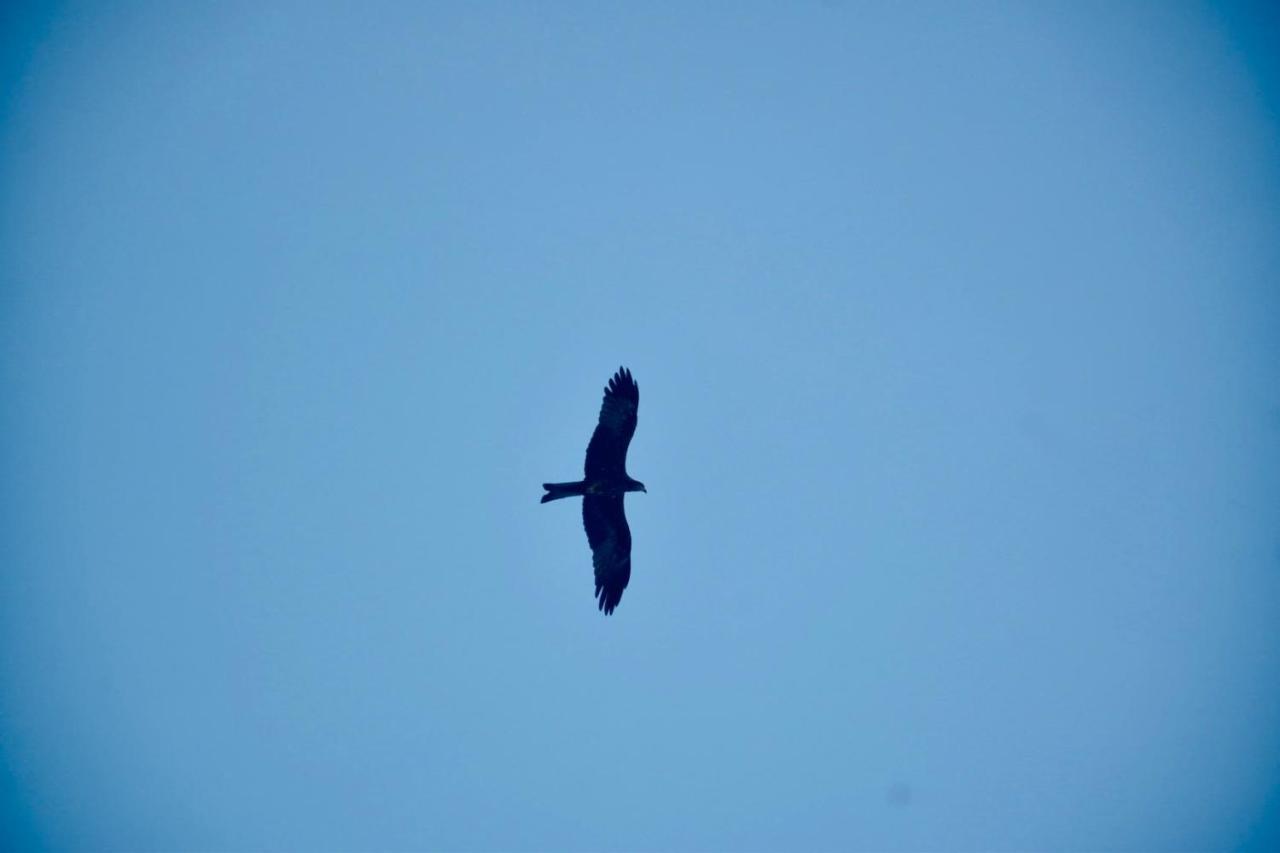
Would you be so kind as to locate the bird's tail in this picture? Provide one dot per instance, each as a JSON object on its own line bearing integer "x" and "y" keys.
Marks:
{"x": 556, "y": 491}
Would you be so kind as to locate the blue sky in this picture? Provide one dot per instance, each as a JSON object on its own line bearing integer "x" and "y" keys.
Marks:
{"x": 957, "y": 335}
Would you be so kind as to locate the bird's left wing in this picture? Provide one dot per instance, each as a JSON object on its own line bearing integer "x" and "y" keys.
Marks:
{"x": 610, "y": 541}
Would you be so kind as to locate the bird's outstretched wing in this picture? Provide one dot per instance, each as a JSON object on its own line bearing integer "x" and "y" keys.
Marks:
{"x": 607, "y": 452}
{"x": 610, "y": 541}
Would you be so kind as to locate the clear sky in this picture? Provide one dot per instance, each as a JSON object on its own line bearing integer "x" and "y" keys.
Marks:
{"x": 957, "y": 328}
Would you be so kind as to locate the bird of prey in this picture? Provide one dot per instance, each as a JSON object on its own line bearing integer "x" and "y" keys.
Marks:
{"x": 603, "y": 487}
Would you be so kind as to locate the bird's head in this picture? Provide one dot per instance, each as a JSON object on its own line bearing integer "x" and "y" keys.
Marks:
{"x": 636, "y": 486}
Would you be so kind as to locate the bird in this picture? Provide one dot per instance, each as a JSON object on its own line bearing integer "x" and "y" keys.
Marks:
{"x": 603, "y": 487}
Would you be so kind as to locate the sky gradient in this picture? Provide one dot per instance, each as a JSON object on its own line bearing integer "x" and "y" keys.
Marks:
{"x": 958, "y": 336}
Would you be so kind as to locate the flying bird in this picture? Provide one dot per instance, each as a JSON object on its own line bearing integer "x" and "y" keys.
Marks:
{"x": 603, "y": 487}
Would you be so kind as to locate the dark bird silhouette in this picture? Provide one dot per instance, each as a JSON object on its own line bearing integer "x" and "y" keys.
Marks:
{"x": 603, "y": 488}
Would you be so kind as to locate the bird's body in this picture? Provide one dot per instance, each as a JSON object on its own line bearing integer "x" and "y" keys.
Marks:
{"x": 603, "y": 488}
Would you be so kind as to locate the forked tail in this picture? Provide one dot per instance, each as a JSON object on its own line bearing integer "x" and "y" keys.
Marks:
{"x": 555, "y": 491}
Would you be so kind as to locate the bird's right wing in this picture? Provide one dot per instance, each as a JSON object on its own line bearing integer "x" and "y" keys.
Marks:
{"x": 610, "y": 541}
{"x": 607, "y": 452}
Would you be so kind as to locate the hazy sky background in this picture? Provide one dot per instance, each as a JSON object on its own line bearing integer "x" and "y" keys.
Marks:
{"x": 957, "y": 329}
